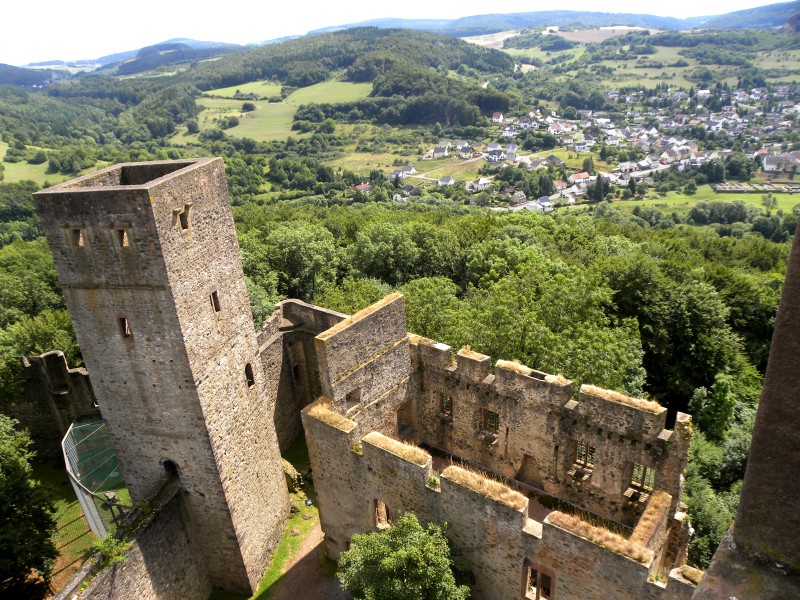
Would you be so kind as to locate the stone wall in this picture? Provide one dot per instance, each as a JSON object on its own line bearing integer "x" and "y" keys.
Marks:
{"x": 53, "y": 397}
{"x": 526, "y": 425}
{"x": 150, "y": 268}
{"x": 162, "y": 564}
{"x": 492, "y": 532}
{"x": 289, "y": 360}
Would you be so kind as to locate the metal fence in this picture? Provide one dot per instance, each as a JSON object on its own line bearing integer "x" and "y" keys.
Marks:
{"x": 95, "y": 476}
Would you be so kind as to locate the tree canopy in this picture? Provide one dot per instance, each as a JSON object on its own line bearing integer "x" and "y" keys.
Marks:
{"x": 403, "y": 562}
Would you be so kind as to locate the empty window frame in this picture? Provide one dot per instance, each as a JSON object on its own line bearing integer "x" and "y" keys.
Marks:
{"x": 183, "y": 215}
{"x": 122, "y": 238}
{"x": 583, "y": 464}
{"x": 491, "y": 421}
{"x": 124, "y": 327}
{"x": 77, "y": 237}
{"x": 540, "y": 585}
{"x": 446, "y": 404}
{"x": 248, "y": 375}
{"x": 215, "y": 304}
{"x": 382, "y": 516}
{"x": 353, "y": 398}
{"x": 643, "y": 478}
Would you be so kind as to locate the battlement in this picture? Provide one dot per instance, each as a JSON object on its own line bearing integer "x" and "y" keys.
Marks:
{"x": 489, "y": 521}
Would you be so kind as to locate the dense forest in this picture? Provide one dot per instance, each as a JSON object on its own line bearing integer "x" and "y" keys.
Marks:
{"x": 678, "y": 307}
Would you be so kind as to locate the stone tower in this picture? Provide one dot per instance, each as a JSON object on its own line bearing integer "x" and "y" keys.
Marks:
{"x": 149, "y": 265}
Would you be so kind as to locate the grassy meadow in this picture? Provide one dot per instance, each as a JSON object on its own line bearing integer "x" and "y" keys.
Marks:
{"x": 22, "y": 171}
{"x": 270, "y": 120}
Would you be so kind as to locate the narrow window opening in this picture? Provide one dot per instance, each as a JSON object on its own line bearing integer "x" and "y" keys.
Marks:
{"x": 183, "y": 217}
{"x": 77, "y": 238}
{"x": 122, "y": 238}
{"x": 296, "y": 372}
{"x": 248, "y": 375}
{"x": 382, "y": 516}
{"x": 539, "y": 586}
{"x": 583, "y": 464}
{"x": 447, "y": 405}
{"x": 171, "y": 468}
{"x": 491, "y": 421}
{"x": 124, "y": 327}
{"x": 215, "y": 302}
{"x": 353, "y": 398}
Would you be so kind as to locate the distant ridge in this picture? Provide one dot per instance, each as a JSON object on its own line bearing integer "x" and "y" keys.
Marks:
{"x": 772, "y": 15}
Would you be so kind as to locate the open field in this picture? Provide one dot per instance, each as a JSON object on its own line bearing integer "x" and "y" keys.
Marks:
{"x": 491, "y": 40}
{"x": 461, "y": 171}
{"x": 262, "y": 89}
{"x": 681, "y": 202}
{"x": 330, "y": 91}
{"x": 270, "y": 120}
{"x": 599, "y": 34}
{"x": 22, "y": 171}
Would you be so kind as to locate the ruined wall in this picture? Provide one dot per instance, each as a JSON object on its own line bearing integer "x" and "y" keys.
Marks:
{"x": 525, "y": 425}
{"x": 161, "y": 564}
{"x": 152, "y": 277}
{"x": 289, "y": 360}
{"x": 492, "y": 530}
{"x": 52, "y": 398}
{"x": 365, "y": 366}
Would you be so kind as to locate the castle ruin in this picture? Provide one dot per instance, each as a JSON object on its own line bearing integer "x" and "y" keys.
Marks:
{"x": 548, "y": 493}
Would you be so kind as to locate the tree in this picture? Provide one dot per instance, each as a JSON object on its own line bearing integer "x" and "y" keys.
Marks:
{"x": 25, "y": 509}
{"x": 248, "y": 107}
{"x": 403, "y": 562}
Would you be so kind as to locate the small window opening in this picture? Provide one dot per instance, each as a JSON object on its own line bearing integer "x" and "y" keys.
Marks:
{"x": 447, "y": 405}
{"x": 296, "y": 372}
{"x": 583, "y": 465}
{"x": 171, "y": 468}
{"x": 248, "y": 375}
{"x": 382, "y": 516}
{"x": 491, "y": 421}
{"x": 124, "y": 327}
{"x": 215, "y": 302}
{"x": 353, "y": 398}
{"x": 643, "y": 478}
{"x": 184, "y": 219}
{"x": 540, "y": 586}
{"x": 122, "y": 238}
{"x": 77, "y": 238}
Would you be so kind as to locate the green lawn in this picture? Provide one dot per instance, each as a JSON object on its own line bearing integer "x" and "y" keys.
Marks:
{"x": 72, "y": 537}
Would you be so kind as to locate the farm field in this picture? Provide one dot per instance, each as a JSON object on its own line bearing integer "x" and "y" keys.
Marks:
{"x": 22, "y": 171}
{"x": 270, "y": 120}
{"x": 263, "y": 89}
{"x": 461, "y": 171}
{"x": 678, "y": 201}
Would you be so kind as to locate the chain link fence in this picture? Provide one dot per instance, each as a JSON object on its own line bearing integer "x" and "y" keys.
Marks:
{"x": 95, "y": 476}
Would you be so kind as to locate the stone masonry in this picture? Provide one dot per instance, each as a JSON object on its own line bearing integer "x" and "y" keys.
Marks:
{"x": 149, "y": 265}
{"x": 150, "y": 269}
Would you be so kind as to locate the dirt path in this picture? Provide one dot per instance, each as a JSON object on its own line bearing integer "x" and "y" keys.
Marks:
{"x": 303, "y": 577}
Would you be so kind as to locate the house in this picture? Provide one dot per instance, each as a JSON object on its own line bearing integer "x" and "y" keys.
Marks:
{"x": 396, "y": 174}
{"x": 518, "y": 197}
{"x": 509, "y": 132}
{"x": 440, "y": 152}
{"x": 445, "y": 181}
{"x": 559, "y": 185}
{"x": 409, "y": 170}
{"x": 493, "y": 146}
{"x": 772, "y": 163}
{"x": 497, "y": 117}
{"x": 512, "y": 148}
{"x": 554, "y": 160}
{"x": 546, "y": 204}
{"x": 581, "y": 177}
{"x": 478, "y": 185}
{"x": 364, "y": 188}
{"x": 495, "y": 155}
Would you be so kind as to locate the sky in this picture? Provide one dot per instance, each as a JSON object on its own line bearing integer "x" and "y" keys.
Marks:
{"x": 58, "y": 30}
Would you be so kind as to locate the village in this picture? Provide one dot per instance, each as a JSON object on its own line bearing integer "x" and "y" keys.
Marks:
{"x": 757, "y": 123}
